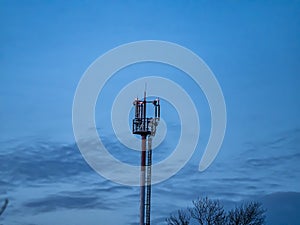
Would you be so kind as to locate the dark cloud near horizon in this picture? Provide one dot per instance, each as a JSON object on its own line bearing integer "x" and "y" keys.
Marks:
{"x": 282, "y": 207}
{"x": 275, "y": 161}
{"x": 285, "y": 142}
{"x": 41, "y": 164}
{"x": 271, "y": 161}
{"x": 67, "y": 200}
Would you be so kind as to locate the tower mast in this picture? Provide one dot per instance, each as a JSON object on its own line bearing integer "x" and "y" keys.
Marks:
{"x": 146, "y": 127}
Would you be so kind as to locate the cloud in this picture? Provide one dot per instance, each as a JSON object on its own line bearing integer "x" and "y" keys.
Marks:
{"x": 272, "y": 164}
{"x": 67, "y": 200}
{"x": 268, "y": 162}
{"x": 284, "y": 143}
{"x": 282, "y": 207}
{"x": 43, "y": 162}
{"x": 60, "y": 179}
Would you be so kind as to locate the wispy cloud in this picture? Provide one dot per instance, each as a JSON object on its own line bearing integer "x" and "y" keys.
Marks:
{"x": 41, "y": 177}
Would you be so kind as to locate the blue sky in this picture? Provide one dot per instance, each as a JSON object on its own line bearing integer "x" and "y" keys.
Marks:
{"x": 252, "y": 47}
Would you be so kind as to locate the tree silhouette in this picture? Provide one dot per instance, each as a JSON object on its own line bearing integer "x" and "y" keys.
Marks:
{"x": 247, "y": 214}
{"x": 181, "y": 218}
{"x": 210, "y": 212}
{"x": 3, "y": 207}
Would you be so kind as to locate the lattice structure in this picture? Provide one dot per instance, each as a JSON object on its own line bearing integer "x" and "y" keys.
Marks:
{"x": 146, "y": 127}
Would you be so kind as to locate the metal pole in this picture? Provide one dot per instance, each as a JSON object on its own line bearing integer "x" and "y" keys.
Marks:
{"x": 143, "y": 164}
{"x": 148, "y": 181}
{"x": 142, "y": 181}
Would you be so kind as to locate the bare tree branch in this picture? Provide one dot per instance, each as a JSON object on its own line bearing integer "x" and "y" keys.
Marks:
{"x": 4, "y": 206}
{"x": 211, "y": 212}
{"x": 247, "y": 214}
{"x": 181, "y": 218}
{"x": 208, "y": 212}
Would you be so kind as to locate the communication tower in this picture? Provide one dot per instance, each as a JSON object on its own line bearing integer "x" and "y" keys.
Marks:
{"x": 146, "y": 128}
